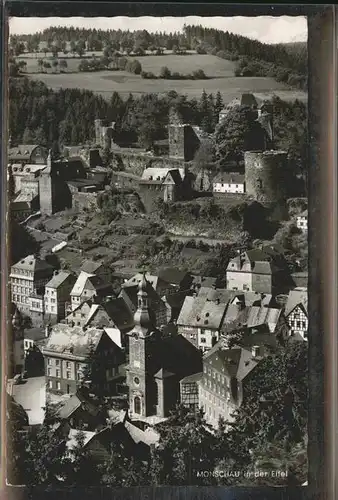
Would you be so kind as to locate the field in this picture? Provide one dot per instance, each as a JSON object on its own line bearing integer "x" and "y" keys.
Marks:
{"x": 220, "y": 73}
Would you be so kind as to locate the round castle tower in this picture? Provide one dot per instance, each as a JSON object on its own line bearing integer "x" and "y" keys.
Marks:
{"x": 266, "y": 175}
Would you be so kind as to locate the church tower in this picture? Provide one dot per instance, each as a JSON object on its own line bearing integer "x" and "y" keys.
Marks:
{"x": 47, "y": 187}
{"x": 142, "y": 387}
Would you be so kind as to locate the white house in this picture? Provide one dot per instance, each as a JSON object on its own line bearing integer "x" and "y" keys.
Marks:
{"x": 302, "y": 221}
{"x": 229, "y": 183}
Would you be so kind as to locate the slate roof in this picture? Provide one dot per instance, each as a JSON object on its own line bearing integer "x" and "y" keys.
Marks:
{"x": 154, "y": 281}
{"x": 195, "y": 377}
{"x": 31, "y": 263}
{"x": 296, "y": 297}
{"x": 159, "y": 174}
{"x": 172, "y": 275}
{"x": 211, "y": 315}
{"x": 192, "y": 306}
{"x": 34, "y": 334}
{"x": 80, "y": 283}
{"x": 58, "y": 279}
{"x": 74, "y": 341}
{"x": 229, "y": 178}
{"x": 148, "y": 437}
{"x": 22, "y": 151}
{"x": 237, "y": 362}
{"x": 91, "y": 266}
{"x": 73, "y": 403}
{"x": 173, "y": 176}
{"x": 203, "y": 281}
{"x": 263, "y": 315}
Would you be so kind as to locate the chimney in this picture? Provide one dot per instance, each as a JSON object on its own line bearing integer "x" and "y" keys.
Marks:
{"x": 194, "y": 295}
{"x": 56, "y": 273}
{"x": 48, "y": 329}
{"x": 256, "y": 351}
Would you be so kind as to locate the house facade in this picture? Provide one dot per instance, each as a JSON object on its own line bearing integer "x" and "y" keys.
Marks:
{"x": 27, "y": 277}
{"x": 222, "y": 386}
{"x": 68, "y": 351}
{"x": 256, "y": 271}
{"x": 86, "y": 287}
{"x": 57, "y": 294}
{"x": 296, "y": 313}
{"x": 229, "y": 183}
{"x": 302, "y": 221}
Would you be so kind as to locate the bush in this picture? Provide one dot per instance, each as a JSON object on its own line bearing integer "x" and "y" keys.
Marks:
{"x": 165, "y": 73}
{"x": 199, "y": 75}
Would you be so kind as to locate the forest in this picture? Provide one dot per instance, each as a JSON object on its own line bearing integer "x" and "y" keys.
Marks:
{"x": 53, "y": 118}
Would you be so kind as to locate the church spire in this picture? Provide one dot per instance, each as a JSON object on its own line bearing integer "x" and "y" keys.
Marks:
{"x": 141, "y": 316}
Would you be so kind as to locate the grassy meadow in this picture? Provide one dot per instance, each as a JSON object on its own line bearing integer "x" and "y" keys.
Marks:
{"x": 220, "y": 75}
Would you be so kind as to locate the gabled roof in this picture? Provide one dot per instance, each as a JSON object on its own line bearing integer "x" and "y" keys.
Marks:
{"x": 80, "y": 283}
{"x": 148, "y": 437}
{"x": 229, "y": 178}
{"x": 32, "y": 263}
{"x": 163, "y": 374}
{"x": 159, "y": 174}
{"x": 211, "y": 315}
{"x": 73, "y": 340}
{"x": 58, "y": 279}
{"x": 172, "y": 275}
{"x": 73, "y": 403}
{"x": 263, "y": 315}
{"x": 192, "y": 306}
{"x": 173, "y": 177}
{"x": 22, "y": 151}
{"x": 295, "y": 298}
{"x": 235, "y": 363}
{"x": 90, "y": 266}
{"x": 72, "y": 436}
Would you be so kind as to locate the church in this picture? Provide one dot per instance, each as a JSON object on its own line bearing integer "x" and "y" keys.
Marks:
{"x": 157, "y": 363}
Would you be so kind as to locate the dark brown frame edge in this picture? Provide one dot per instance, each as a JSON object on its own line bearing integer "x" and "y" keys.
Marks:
{"x": 322, "y": 241}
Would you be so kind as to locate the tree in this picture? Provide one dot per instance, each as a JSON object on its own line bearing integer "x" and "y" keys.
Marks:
{"x": 40, "y": 64}
{"x": 46, "y": 65}
{"x": 147, "y": 134}
{"x": 80, "y": 48}
{"x": 28, "y": 136}
{"x": 122, "y": 471}
{"x": 186, "y": 447}
{"x": 204, "y": 157}
{"x": 78, "y": 468}
{"x": 237, "y": 133}
{"x": 63, "y": 65}
{"x": 165, "y": 73}
{"x": 219, "y": 104}
{"x": 275, "y": 407}
{"x": 55, "y": 64}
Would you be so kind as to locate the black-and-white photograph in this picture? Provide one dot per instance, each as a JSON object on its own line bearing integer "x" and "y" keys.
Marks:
{"x": 157, "y": 173}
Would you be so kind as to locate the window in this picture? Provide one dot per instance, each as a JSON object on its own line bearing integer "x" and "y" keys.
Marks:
{"x": 68, "y": 375}
{"x": 52, "y": 308}
{"x": 136, "y": 381}
{"x": 58, "y": 373}
{"x": 304, "y": 324}
{"x": 57, "y": 362}
{"x": 49, "y": 372}
{"x": 137, "y": 405}
{"x": 298, "y": 324}
{"x": 49, "y": 361}
{"x": 58, "y": 386}
{"x": 68, "y": 364}
{"x": 50, "y": 384}
{"x": 203, "y": 340}
{"x": 53, "y": 301}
